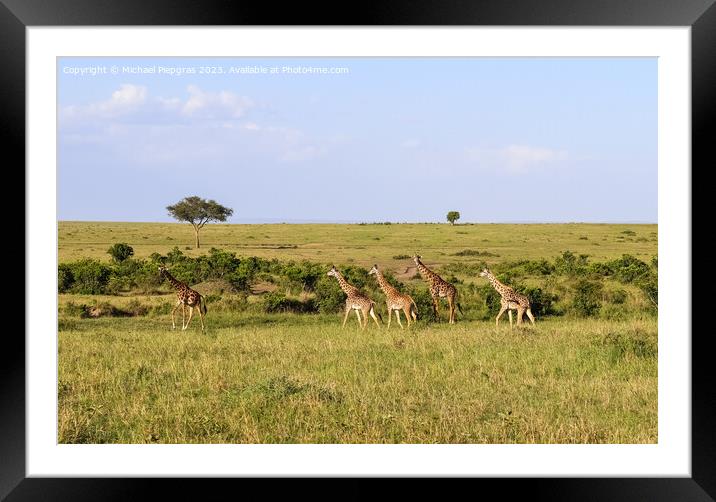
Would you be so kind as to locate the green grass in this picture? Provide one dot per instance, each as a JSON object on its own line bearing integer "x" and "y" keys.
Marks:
{"x": 363, "y": 244}
{"x": 285, "y": 378}
{"x": 301, "y": 379}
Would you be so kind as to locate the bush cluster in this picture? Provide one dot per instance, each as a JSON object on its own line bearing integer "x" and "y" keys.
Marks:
{"x": 582, "y": 293}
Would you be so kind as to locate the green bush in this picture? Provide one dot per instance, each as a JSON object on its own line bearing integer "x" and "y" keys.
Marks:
{"x": 491, "y": 300}
{"x": 649, "y": 285}
{"x": 542, "y": 303}
{"x": 136, "y": 308}
{"x": 473, "y": 252}
{"x": 329, "y": 297}
{"x": 76, "y": 310}
{"x": 617, "y": 297}
{"x": 277, "y": 302}
{"x": 587, "y": 298}
{"x": 120, "y": 252}
{"x": 424, "y": 303}
{"x": 628, "y": 268}
{"x": 65, "y": 278}
{"x": 571, "y": 264}
{"x": 90, "y": 276}
{"x": 538, "y": 267}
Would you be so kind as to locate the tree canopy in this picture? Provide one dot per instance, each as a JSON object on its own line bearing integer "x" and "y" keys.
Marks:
{"x": 198, "y": 212}
{"x": 453, "y": 216}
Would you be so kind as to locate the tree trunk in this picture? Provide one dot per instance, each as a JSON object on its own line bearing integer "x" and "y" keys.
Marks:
{"x": 196, "y": 233}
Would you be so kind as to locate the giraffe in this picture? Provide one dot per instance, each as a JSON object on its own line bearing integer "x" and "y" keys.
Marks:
{"x": 439, "y": 288}
{"x": 355, "y": 300}
{"x": 509, "y": 300}
{"x": 395, "y": 300}
{"x": 185, "y": 297}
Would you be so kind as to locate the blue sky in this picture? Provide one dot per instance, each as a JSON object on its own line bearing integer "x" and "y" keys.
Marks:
{"x": 389, "y": 139}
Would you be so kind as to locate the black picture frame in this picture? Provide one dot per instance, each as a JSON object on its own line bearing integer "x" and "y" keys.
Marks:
{"x": 700, "y": 15}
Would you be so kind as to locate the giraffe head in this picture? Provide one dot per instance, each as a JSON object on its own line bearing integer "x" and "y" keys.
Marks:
{"x": 162, "y": 270}
{"x": 374, "y": 270}
{"x": 485, "y": 272}
{"x": 416, "y": 258}
{"x": 333, "y": 272}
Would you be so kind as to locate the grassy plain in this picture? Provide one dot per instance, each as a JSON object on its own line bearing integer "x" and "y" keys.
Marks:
{"x": 363, "y": 244}
{"x": 289, "y": 378}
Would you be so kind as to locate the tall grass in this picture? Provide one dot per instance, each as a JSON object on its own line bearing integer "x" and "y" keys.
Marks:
{"x": 301, "y": 379}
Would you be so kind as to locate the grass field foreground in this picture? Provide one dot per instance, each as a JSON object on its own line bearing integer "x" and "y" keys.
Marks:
{"x": 291, "y": 379}
{"x": 261, "y": 377}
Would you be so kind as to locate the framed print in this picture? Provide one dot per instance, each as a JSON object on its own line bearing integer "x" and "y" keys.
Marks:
{"x": 274, "y": 176}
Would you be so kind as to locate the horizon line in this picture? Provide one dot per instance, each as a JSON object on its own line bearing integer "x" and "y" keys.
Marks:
{"x": 317, "y": 221}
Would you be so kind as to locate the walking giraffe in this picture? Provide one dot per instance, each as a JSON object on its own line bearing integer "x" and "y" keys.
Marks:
{"x": 395, "y": 299}
{"x": 439, "y": 288}
{"x": 185, "y": 297}
{"x": 355, "y": 300}
{"x": 509, "y": 300}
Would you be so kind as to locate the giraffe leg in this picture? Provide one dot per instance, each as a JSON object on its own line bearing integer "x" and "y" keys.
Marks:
{"x": 406, "y": 311}
{"x": 191, "y": 313}
{"x": 201, "y": 317}
{"x": 497, "y": 319}
{"x": 183, "y": 307}
{"x": 372, "y": 314}
{"x": 532, "y": 318}
{"x": 390, "y": 315}
{"x": 451, "y": 309}
{"x": 397, "y": 315}
{"x": 345, "y": 317}
{"x": 360, "y": 322}
{"x": 509, "y": 313}
{"x": 520, "y": 313}
{"x": 436, "y": 307}
{"x": 176, "y": 306}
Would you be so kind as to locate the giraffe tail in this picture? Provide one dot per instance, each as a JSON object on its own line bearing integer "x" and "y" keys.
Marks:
{"x": 376, "y": 312}
{"x": 202, "y": 305}
{"x": 414, "y": 306}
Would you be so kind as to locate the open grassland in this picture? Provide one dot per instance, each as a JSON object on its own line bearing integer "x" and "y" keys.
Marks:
{"x": 301, "y": 379}
{"x": 363, "y": 244}
{"x": 586, "y": 373}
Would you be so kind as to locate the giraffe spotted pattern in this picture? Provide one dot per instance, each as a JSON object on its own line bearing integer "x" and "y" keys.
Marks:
{"x": 509, "y": 300}
{"x": 186, "y": 297}
{"x": 395, "y": 300}
{"x": 355, "y": 301}
{"x": 439, "y": 288}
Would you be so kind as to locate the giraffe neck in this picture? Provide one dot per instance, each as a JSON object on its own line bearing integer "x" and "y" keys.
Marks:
{"x": 347, "y": 288}
{"x": 426, "y": 272}
{"x": 495, "y": 283}
{"x": 174, "y": 282}
{"x": 384, "y": 285}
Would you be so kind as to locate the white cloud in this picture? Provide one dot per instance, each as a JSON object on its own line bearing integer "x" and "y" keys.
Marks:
{"x": 215, "y": 104}
{"x": 170, "y": 103}
{"x": 165, "y": 129}
{"x": 515, "y": 158}
{"x": 133, "y": 100}
{"x": 127, "y": 99}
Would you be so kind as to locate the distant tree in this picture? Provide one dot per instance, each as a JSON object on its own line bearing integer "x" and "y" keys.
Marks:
{"x": 120, "y": 252}
{"x": 453, "y": 216}
{"x": 198, "y": 212}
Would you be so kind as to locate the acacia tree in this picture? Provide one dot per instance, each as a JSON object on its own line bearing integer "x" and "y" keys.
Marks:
{"x": 453, "y": 216}
{"x": 198, "y": 212}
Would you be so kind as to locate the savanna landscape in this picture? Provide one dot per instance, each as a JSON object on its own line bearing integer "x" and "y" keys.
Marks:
{"x": 353, "y": 184}
{"x": 274, "y": 365}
